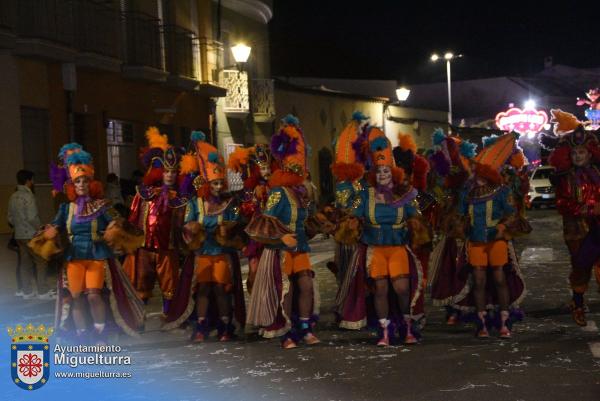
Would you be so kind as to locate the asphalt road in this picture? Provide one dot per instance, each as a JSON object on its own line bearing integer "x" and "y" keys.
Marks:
{"x": 549, "y": 358}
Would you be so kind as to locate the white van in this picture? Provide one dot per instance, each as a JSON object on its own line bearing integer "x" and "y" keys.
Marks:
{"x": 541, "y": 191}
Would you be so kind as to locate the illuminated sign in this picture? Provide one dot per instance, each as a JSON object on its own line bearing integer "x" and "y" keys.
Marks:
{"x": 527, "y": 122}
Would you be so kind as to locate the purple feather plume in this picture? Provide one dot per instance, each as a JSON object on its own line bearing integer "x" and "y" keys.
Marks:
{"x": 440, "y": 163}
{"x": 58, "y": 177}
{"x": 281, "y": 145}
{"x": 186, "y": 186}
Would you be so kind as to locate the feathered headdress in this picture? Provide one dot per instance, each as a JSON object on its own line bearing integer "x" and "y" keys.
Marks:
{"x": 415, "y": 165}
{"x": 158, "y": 156}
{"x": 497, "y": 152}
{"x": 347, "y": 165}
{"x": 203, "y": 164}
{"x": 288, "y": 146}
{"x": 568, "y": 134}
{"x": 379, "y": 153}
{"x": 450, "y": 153}
{"x": 80, "y": 164}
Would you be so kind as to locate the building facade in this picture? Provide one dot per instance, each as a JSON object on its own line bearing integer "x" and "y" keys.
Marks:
{"x": 101, "y": 72}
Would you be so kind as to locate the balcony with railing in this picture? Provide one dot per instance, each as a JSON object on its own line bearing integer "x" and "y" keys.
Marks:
{"x": 180, "y": 46}
{"x": 262, "y": 99}
{"x": 45, "y": 28}
{"x": 237, "y": 102}
{"x": 98, "y": 33}
{"x": 143, "y": 51}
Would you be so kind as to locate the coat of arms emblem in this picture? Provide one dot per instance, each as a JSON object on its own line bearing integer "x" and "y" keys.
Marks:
{"x": 30, "y": 355}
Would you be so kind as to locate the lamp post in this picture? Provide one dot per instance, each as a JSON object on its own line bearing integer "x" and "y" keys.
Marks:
{"x": 402, "y": 94}
{"x": 448, "y": 56}
{"x": 241, "y": 53}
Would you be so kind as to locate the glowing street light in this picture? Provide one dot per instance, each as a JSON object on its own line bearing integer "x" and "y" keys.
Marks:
{"x": 530, "y": 104}
{"x": 402, "y": 94}
{"x": 241, "y": 52}
{"x": 448, "y": 56}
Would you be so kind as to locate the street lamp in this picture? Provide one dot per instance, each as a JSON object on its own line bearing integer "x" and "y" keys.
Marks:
{"x": 402, "y": 93}
{"x": 448, "y": 56}
{"x": 241, "y": 52}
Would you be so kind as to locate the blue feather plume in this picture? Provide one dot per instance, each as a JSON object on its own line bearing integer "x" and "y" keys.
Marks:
{"x": 67, "y": 147}
{"x": 438, "y": 136}
{"x": 468, "y": 149}
{"x": 213, "y": 157}
{"x": 81, "y": 157}
{"x": 379, "y": 143}
{"x": 197, "y": 136}
{"x": 359, "y": 116}
{"x": 291, "y": 120}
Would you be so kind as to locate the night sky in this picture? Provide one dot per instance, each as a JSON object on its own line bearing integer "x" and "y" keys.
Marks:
{"x": 393, "y": 39}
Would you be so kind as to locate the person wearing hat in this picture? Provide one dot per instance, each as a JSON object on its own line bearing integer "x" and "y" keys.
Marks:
{"x": 492, "y": 221}
{"x": 348, "y": 170}
{"x": 388, "y": 214}
{"x": 576, "y": 157}
{"x": 284, "y": 271}
{"x": 255, "y": 165}
{"x": 450, "y": 159}
{"x": 90, "y": 267}
{"x": 157, "y": 209}
{"x": 210, "y": 283}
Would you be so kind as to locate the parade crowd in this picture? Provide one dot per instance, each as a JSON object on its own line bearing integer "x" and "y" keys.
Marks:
{"x": 403, "y": 221}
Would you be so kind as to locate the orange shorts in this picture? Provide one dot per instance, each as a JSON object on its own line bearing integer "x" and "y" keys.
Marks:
{"x": 85, "y": 274}
{"x": 294, "y": 262}
{"x": 481, "y": 254}
{"x": 389, "y": 261}
{"x": 213, "y": 269}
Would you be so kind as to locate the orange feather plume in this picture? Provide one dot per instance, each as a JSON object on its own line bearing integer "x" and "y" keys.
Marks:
{"x": 188, "y": 164}
{"x": 407, "y": 142}
{"x": 156, "y": 139}
{"x": 239, "y": 159}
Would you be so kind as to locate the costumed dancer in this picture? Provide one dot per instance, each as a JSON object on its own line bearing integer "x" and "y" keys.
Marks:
{"x": 284, "y": 299}
{"x": 157, "y": 209}
{"x": 576, "y": 158}
{"x": 349, "y": 170}
{"x": 491, "y": 222}
{"x": 416, "y": 169}
{"x": 390, "y": 220}
{"x": 210, "y": 284}
{"x": 450, "y": 168}
{"x": 255, "y": 165}
{"x": 91, "y": 271}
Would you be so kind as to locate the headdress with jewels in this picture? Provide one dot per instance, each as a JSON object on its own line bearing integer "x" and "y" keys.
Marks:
{"x": 159, "y": 156}
{"x": 246, "y": 161}
{"x": 59, "y": 173}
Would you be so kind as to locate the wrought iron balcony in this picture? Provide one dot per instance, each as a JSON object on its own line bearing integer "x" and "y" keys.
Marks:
{"x": 142, "y": 40}
{"x": 50, "y": 20}
{"x": 97, "y": 27}
{"x": 262, "y": 95}
{"x": 180, "y": 44}
{"x": 237, "y": 102}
